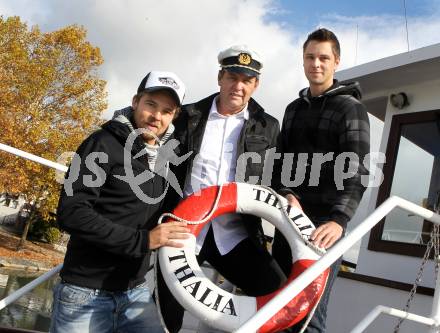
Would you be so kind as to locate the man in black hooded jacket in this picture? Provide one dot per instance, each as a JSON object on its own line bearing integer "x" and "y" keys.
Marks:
{"x": 111, "y": 215}
{"x": 327, "y": 131}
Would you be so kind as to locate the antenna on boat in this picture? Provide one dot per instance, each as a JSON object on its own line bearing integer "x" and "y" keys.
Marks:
{"x": 356, "y": 48}
{"x": 406, "y": 24}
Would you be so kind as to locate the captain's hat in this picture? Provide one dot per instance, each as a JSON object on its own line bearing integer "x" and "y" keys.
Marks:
{"x": 240, "y": 59}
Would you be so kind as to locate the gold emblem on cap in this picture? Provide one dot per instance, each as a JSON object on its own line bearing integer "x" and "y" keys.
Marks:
{"x": 244, "y": 59}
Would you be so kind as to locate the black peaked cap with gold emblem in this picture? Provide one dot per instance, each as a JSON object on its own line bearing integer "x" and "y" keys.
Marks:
{"x": 241, "y": 59}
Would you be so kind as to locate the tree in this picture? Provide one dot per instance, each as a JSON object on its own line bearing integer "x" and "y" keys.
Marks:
{"x": 51, "y": 98}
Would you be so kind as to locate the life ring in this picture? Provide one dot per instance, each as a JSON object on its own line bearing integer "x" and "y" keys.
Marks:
{"x": 217, "y": 307}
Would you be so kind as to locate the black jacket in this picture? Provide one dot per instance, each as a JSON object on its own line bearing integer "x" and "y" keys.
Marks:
{"x": 335, "y": 122}
{"x": 258, "y": 134}
{"x": 109, "y": 224}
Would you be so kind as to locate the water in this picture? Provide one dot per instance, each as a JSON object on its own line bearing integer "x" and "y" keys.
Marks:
{"x": 31, "y": 311}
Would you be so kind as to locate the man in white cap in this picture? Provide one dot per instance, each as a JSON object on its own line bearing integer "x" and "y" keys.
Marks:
{"x": 112, "y": 230}
{"x": 218, "y": 130}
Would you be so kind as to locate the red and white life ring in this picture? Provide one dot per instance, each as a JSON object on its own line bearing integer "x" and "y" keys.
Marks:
{"x": 217, "y": 307}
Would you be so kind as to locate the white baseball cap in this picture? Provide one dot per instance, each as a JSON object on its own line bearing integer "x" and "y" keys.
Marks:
{"x": 157, "y": 80}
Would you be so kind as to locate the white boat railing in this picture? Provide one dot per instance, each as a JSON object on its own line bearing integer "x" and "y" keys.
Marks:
{"x": 380, "y": 309}
{"x": 303, "y": 280}
{"x": 433, "y": 321}
{"x": 34, "y": 283}
{"x": 28, "y": 287}
{"x": 33, "y": 157}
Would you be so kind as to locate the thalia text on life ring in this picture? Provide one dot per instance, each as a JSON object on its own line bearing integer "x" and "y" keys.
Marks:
{"x": 217, "y": 307}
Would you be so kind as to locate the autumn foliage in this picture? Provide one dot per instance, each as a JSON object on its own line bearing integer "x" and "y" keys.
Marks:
{"x": 50, "y": 98}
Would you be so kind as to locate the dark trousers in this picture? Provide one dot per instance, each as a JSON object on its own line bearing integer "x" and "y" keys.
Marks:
{"x": 247, "y": 266}
{"x": 281, "y": 252}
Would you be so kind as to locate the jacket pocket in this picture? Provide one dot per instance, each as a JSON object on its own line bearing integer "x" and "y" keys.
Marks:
{"x": 257, "y": 143}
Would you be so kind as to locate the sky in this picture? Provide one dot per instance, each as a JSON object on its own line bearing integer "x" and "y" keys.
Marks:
{"x": 185, "y": 36}
{"x": 309, "y": 13}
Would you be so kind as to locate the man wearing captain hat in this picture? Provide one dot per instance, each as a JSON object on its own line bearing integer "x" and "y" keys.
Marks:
{"x": 218, "y": 130}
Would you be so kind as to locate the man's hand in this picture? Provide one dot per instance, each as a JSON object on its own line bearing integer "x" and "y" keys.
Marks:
{"x": 326, "y": 235}
{"x": 164, "y": 235}
{"x": 292, "y": 201}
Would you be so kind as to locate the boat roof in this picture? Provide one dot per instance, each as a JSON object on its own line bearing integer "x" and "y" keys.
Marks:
{"x": 409, "y": 68}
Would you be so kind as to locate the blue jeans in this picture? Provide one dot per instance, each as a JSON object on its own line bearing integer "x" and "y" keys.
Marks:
{"x": 80, "y": 310}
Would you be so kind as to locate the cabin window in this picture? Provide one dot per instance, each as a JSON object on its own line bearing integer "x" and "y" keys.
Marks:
{"x": 412, "y": 171}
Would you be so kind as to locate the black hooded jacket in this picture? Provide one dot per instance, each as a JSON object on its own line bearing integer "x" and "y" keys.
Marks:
{"x": 331, "y": 125}
{"x": 108, "y": 223}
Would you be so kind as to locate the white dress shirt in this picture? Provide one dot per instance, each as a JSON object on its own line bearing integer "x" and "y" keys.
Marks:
{"x": 216, "y": 165}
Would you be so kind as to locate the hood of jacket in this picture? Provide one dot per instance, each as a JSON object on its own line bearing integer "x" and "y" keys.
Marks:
{"x": 125, "y": 116}
{"x": 348, "y": 88}
{"x": 121, "y": 126}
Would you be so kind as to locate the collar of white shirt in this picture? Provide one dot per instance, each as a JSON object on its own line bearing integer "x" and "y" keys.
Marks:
{"x": 213, "y": 113}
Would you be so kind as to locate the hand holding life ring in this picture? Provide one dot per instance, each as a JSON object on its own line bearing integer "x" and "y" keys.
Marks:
{"x": 219, "y": 308}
